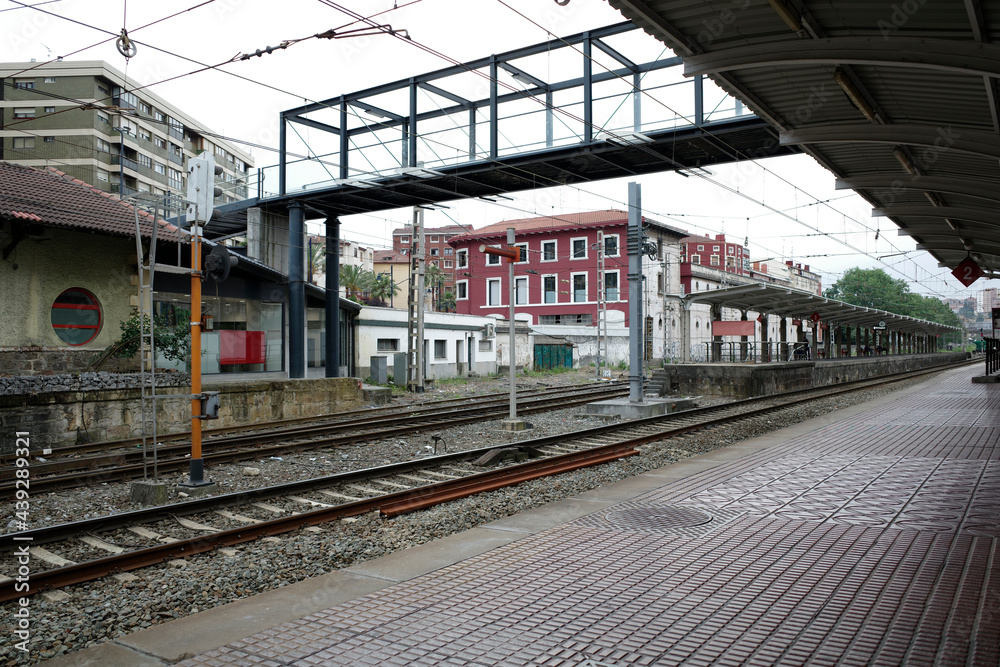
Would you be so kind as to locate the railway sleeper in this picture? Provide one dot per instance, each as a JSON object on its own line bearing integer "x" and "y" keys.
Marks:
{"x": 500, "y": 454}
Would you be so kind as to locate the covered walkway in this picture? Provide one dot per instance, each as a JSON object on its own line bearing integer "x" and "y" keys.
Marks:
{"x": 849, "y": 330}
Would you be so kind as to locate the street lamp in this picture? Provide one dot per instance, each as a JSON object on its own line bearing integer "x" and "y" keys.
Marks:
{"x": 121, "y": 160}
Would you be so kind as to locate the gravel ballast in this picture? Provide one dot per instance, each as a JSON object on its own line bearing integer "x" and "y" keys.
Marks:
{"x": 114, "y": 606}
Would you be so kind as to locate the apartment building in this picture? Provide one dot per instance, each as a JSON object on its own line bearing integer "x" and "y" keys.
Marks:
{"x": 83, "y": 118}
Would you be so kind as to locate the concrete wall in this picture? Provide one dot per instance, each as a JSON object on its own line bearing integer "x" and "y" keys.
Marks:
{"x": 746, "y": 380}
{"x": 39, "y": 270}
{"x": 58, "y": 419}
{"x": 458, "y": 332}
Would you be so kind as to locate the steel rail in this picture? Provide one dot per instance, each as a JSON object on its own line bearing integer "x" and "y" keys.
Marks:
{"x": 87, "y": 471}
{"x": 396, "y": 503}
{"x": 328, "y": 418}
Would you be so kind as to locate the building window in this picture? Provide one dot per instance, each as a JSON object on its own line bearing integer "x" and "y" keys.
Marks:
{"x": 696, "y": 259}
{"x": 434, "y": 239}
{"x": 24, "y": 112}
{"x": 572, "y": 318}
{"x": 462, "y": 289}
{"x": 159, "y": 143}
{"x": 145, "y": 108}
{"x": 611, "y": 286}
{"x": 440, "y": 349}
{"x": 404, "y": 239}
{"x": 434, "y": 252}
{"x": 463, "y": 259}
{"x": 492, "y": 259}
{"x": 523, "y": 247}
{"x": 611, "y": 245}
{"x": 23, "y": 143}
{"x": 579, "y": 248}
{"x": 449, "y": 251}
{"x": 102, "y": 175}
{"x": 521, "y": 291}
{"x": 76, "y": 316}
{"x": 493, "y": 292}
{"x": 49, "y": 79}
{"x": 448, "y": 263}
{"x": 548, "y": 251}
{"x": 715, "y": 248}
{"x": 700, "y": 248}
{"x": 145, "y": 161}
{"x": 549, "y": 289}
{"x": 579, "y": 287}
{"x": 714, "y": 259}
{"x": 159, "y": 168}
{"x": 50, "y": 109}
{"x": 49, "y": 140}
{"x": 485, "y": 345}
{"x": 404, "y": 251}
{"x": 387, "y": 345}
{"x": 25, "y": 85}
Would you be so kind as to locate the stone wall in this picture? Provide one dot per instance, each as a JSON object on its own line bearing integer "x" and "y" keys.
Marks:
{"x": 747, "y": 380}
{"x": 47, "y": 384}
{"x": 60, "y": 418}
{"x": 37, "y": 360}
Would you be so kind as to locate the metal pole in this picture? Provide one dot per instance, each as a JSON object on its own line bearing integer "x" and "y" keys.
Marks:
{"x": 332, "y": 297}
{"x": 197, "y": 469}
{"x": 296, "y": 292}
{"x": 513, "y": 360}
{"x": 636, "y": 323}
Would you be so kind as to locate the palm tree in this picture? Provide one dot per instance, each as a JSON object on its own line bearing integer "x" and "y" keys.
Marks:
{"x": 354, "y": 280}
{"x": 447, "y": 302}
{"x": 433, "y": 277}
{"x": 383, "y": 288}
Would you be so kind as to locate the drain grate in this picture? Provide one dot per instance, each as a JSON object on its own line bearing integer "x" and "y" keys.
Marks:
{"x": 660, "y": 519}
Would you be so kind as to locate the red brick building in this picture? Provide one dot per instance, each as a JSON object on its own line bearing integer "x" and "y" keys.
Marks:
{"x": 716, "y": 253}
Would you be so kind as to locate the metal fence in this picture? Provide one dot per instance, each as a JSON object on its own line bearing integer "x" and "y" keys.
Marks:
{"x": 755, "y": 352}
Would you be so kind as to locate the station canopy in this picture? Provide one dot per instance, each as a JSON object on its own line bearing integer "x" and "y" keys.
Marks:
{"x": 801, "y": 305}
{"x": 899, "y": 100}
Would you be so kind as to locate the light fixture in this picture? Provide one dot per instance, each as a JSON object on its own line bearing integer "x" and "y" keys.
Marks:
{"x": 854, "y": 95}
{"x": 355, "y": 182}
{"x": 788, "y": 15}
{"x": 904, "y": 160}
{"x": 418, "y": 172}
{"x": 627, "y": 139}
{"x": 697, "y": 171}
{"x": 372, "y": 111}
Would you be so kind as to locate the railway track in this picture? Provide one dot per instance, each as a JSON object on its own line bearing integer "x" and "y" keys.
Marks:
{"x": 72, "y": 467}
{"x": 86, "y": 550}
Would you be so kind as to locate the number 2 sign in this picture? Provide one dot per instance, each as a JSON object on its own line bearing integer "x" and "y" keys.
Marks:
{"x": 968, "y": 272}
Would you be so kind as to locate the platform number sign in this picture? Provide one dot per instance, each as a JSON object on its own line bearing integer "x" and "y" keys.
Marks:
{"x": 968, "y": 272}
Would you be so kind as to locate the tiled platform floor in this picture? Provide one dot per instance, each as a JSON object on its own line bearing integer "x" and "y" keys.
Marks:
{"x": 870, "y": 540}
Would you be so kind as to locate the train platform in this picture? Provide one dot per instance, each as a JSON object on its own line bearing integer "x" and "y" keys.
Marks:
{"x": 868, "y": 536}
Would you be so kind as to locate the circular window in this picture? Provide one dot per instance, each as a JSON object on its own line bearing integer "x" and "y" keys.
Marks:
{"x": 76, "y": 316}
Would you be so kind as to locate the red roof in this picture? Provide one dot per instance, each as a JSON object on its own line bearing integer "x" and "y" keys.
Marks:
{"x": 51, "y": 198}
{"x": 390, "y": 257}
{"x": 549, "y": 223}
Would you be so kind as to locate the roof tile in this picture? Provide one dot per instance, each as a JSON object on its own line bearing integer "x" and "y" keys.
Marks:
{"x": 54, "y": 199}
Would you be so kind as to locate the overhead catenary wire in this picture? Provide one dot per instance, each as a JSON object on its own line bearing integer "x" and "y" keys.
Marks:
{"x": 441, "y": 55}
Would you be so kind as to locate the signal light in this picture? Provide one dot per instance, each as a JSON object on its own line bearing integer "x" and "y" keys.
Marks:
{"x": 201, "y": 188}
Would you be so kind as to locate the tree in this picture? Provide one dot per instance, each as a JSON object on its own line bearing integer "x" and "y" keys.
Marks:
{"x": 355, "y": 280}
{"x": 383, "y": 288}
{"x": 172, "y": 342}
{"x": 434, "y": 278}
{"x": 874, "y": 288}
{"x": 447, "y": 302}
{"x": 317, "y": 259}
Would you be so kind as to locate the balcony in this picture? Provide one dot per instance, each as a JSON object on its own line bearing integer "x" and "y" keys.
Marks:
{"x": 128, "y": 163}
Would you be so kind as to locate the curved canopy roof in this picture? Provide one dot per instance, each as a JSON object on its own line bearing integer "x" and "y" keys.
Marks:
{"x": 797, "y": 304}
{"x": 898, "y": 100}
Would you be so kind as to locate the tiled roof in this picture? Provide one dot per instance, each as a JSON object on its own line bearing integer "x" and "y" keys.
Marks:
{"x": 390, "y": 257}
{"x": 53, "y": 199}
{"x": 552, "y": 223}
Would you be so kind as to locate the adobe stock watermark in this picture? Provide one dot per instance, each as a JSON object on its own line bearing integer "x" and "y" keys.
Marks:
{"x": 714, "y": 28}
{"x": 900, "y": 15}
{"x": 22, "y": 509}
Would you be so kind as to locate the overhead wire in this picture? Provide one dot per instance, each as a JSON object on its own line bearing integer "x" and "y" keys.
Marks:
{"x": 360, "y": 18}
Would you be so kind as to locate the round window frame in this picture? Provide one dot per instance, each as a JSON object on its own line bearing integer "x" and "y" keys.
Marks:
{"x": 97, "y": 306}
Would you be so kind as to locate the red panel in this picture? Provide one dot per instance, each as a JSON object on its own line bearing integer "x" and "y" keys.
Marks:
{"x": 241, "y": 347}
{"x": 733, "y": 328}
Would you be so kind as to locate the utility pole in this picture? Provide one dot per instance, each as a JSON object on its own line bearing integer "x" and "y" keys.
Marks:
{"x": 602, "y": 303}
{"x": 635, "y": 293}
{"x": 415, "y": 323}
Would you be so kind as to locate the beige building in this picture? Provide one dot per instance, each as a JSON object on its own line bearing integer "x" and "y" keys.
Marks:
{"x": 83, "y": 118}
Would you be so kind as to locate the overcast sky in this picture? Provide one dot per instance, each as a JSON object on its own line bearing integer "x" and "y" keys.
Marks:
{"x": 242, "y": 100}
